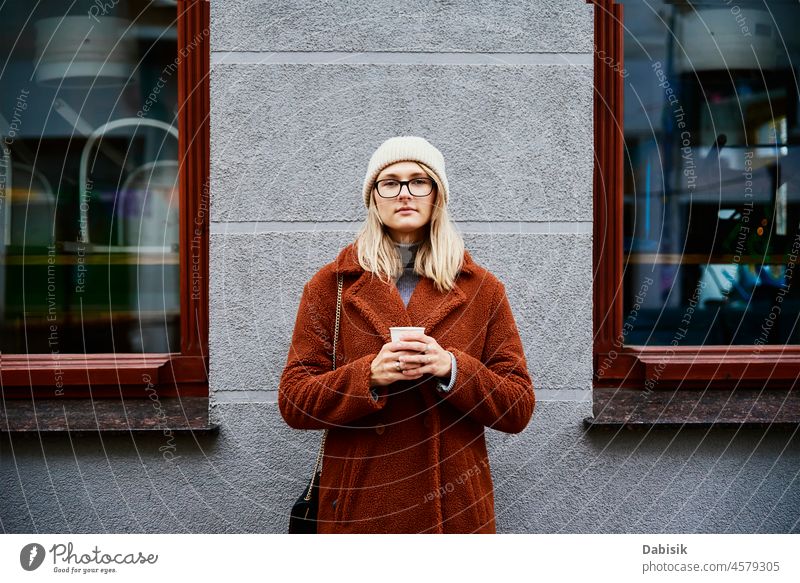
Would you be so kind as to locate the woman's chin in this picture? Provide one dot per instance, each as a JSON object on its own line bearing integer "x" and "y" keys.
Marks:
{"x": 405, "y": 226}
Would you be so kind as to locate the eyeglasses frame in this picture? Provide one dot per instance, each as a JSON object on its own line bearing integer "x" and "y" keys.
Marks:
{"x": 407, "y": 185}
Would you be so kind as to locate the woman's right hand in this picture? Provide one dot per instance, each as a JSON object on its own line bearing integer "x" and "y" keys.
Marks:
{"x": 384, "y": 366}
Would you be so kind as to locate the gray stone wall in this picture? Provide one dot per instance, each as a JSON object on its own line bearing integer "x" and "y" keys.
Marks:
{"x": 296, "y": 116}
{"x": 301, "y": 94}
{"x": 552, "y": 478}
{"x": 504, "y": 90}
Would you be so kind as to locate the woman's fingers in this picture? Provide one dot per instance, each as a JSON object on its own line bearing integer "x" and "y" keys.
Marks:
{"x": 418, "y": 364}
{"x": 400, "y": 356}
{"x": 408, "y": 345}
{"x": 412, "y": 357}
{"x": 419, "y": 370}
{"x": 417, "y": 358}
{"x": 415, "y": 364}
{"x": 404, "y": 365}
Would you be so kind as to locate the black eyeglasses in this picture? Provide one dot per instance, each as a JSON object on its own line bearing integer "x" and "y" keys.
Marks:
{"x": 390, "y": 188}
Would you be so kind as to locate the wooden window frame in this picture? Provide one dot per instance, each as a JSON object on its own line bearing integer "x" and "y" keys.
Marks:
{"x": 629, "y": 366}
{"x": 177, "y": 374}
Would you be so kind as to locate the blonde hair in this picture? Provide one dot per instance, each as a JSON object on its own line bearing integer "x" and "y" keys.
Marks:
{"x": 439, "y": 257}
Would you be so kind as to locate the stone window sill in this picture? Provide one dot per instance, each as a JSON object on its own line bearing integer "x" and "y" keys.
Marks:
{"x": 615, "y": 408}
{"x": 107, "y": 415}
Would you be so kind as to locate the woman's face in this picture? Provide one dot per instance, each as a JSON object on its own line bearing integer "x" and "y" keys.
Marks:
{"x": 405, "y": 216}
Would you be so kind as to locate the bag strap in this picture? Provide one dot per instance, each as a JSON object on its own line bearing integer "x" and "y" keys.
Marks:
{"x": 335, "y": 336}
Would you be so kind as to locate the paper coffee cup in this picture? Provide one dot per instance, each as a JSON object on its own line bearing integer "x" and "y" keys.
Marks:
{"x": 398, "y": 331}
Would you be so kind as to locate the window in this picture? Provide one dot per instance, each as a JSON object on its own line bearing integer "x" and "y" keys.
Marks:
{"x": 697, "y": 195}
{"x": 104, "y": 174}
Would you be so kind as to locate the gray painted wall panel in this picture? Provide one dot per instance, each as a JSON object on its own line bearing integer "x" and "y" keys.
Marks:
{"x": 257, "y": 280}
{"x": 555, "y": 26}
{"x": 292, "y": 142}
{"x": 553, "y": 477}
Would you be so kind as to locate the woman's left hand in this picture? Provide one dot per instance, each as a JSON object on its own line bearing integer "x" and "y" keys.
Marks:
{"x": 435, "y": 360}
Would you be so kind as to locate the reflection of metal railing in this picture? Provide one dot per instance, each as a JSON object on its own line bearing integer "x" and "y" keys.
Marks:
{"x": 31, "y": 232}
{"x": 87, "y": 148}
{"x": 154, "y": 286}
{"x": 5, "y": 187}
{"x": 45, "y": 190}
{"x": 148, "y": 170}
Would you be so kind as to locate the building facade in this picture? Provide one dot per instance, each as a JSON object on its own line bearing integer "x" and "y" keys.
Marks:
{"x": 300, "y": 94}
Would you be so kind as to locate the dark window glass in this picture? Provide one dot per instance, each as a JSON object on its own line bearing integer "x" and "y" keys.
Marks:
{"x": 89, "y": 172}
{"x": 712, "y": 192}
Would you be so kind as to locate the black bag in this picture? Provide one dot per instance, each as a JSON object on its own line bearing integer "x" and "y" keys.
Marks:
{"x": 303, "y": 517}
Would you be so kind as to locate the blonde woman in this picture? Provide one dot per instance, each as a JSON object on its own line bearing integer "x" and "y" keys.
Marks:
{"x": 405, "y": 450}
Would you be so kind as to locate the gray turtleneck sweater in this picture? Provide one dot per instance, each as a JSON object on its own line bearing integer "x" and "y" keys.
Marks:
{"x": 406, "y": 284}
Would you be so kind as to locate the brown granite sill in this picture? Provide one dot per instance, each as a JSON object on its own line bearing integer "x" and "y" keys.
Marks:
{"x": 615, "y": 408}
{"x": 107, "y": 415}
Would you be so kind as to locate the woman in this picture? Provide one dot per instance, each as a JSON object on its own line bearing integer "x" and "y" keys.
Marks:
{"x": 405, "y": 451}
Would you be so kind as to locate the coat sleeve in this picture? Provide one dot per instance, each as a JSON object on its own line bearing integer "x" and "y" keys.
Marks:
{"x": 496, "y": 390}
{"x": 310, "y": 394}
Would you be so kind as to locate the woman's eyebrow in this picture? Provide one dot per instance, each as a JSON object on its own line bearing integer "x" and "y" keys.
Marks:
{"x": 392, "y": 175}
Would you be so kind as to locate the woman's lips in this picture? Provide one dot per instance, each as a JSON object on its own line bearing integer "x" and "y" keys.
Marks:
{"x": 402, "y": 211}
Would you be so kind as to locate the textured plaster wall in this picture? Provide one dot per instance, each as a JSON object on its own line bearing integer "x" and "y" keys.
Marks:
{"x": 551, "y": 478}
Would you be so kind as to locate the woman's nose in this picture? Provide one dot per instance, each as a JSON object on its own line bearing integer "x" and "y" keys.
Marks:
{"x": 404, "y": 191}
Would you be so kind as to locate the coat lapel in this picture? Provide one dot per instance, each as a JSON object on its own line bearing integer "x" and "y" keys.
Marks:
{"x": 381, "y": 305}
{"x": 379, "y": 302}
{"x": 428, "y": 306}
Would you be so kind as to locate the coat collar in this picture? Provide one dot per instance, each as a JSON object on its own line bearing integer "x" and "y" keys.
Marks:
{"x": 382, "y": 306}
{"x": 347, "y": 261}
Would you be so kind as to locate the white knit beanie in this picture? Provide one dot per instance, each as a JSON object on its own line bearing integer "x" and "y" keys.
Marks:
{"x": 401, "y": 148}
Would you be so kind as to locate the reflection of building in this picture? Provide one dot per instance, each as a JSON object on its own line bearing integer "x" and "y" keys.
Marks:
{"x": 80, "y": 52}
{"x": 93, "y": 179}
{"x": 711, "y": 127}
{"x": 712, "y": 36}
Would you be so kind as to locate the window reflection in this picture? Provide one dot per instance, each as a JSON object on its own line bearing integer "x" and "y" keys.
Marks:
{"x": 89, "y": 175}
{"x": 711, "y": 201}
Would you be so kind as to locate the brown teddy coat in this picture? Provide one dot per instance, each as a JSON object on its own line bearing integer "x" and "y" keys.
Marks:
{"x": 415, "y": 459}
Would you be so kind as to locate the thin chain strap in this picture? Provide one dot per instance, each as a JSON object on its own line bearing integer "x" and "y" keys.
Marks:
{"x": 335, "y": 336}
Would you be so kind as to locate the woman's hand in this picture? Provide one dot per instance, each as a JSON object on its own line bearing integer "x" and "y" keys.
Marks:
{"x": 414, "y": 356}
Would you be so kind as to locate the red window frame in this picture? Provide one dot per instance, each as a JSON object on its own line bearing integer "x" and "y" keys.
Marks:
{"x": 617, "y": 364}
{"x": 181, "y": 373}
